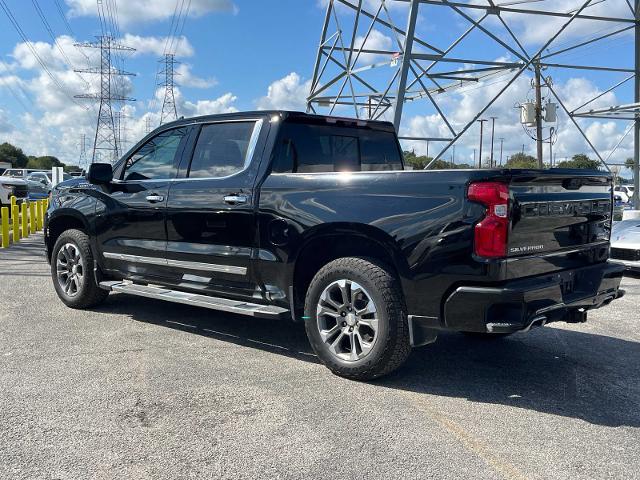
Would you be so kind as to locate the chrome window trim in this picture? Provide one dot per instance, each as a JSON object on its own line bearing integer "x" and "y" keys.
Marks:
{"x": 208, "y": 267}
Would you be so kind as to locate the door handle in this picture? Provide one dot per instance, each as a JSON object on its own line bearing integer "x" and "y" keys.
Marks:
{"x": 236, "y": 199}
{"x": 154, "y": 198}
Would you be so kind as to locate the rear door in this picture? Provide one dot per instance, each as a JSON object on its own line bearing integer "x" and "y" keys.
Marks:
{"x": 211, "y": 220}
{"x": 131, "y": 218}
{"x": 560, "y": 220}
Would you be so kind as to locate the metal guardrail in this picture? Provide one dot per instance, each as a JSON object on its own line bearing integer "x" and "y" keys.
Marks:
{"x": 21, "y": 220}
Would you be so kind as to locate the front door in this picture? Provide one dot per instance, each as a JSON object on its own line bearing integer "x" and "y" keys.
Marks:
{"x": 211, "y": 223}
{"x": 131, "y": 231}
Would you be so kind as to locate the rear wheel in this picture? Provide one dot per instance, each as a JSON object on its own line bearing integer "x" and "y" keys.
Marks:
{"x": 72, "y": 271}
{"x": 356, "y": 320}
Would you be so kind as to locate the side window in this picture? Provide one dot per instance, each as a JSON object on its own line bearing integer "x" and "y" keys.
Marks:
{"x": 304, "y": 148}
{"x": 158, "y": 158}
{"x": 221, "y": 149}
{"x": 380, "y": 152}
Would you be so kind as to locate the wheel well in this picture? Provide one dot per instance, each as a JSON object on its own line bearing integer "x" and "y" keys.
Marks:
{"x": 326, "y": 248}
{"x": 59, "y": 225}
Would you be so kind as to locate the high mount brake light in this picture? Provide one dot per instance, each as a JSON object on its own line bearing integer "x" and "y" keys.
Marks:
{"x": 492, "y": 232}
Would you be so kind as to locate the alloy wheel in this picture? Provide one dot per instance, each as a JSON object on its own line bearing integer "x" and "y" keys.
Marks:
{"x": 69, "y": 269}
{"x": 347, "y": 320}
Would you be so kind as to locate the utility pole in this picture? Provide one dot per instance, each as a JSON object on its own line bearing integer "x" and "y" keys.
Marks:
{"x": 481, "y": 121}
{"x": 551, "y": 130}
{"x": 493, "y": 132}
{"x": 538, "y": 88}
{"x": 82, "y": 161}
{"x": 453, "y": 157}
{"x": 169, "y": 111}
{"x": 501, "y": 149}
{"x": 106, "y": 139}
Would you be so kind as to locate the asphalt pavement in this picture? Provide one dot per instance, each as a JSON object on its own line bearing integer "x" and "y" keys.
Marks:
{"x": 144, "y": 389}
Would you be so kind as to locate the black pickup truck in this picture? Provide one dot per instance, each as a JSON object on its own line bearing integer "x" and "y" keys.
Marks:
{"x": 284, "y": 215}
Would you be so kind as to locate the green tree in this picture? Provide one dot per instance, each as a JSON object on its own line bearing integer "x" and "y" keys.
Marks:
{"x": 72, "y": 168}
{"x": 580, "y": 161}
{"x": 14, "y": 155}
{"x": 417, "y": 162}
{"x": 45, "y": 162}
{"x": 522, "y": 160}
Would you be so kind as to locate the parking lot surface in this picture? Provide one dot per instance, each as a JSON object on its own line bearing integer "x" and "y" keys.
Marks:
{"x": 140, "y": 389}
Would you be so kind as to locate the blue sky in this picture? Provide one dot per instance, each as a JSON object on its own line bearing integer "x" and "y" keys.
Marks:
{"x": 248, "y": 54}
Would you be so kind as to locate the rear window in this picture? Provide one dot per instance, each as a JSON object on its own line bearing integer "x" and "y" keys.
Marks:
{"x": 306, "y": 148}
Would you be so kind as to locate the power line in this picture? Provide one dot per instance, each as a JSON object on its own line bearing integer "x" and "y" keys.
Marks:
{"x": 47, "y": 27}
{"x": 64, "y": 18}
{"x": 27, "y": 42}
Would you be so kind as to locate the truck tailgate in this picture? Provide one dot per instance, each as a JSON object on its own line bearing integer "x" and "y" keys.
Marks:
{"x": 560, "y": 219}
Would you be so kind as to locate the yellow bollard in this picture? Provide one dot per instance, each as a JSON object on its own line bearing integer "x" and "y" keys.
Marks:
{"x": 32, "y": 217}
{"x": 15, "y": 220}
{"x": 14, "y": 202}
{"x": 40, "y": 219}
{"x": 25, "y": 219}
{"x": 4, "y": 212}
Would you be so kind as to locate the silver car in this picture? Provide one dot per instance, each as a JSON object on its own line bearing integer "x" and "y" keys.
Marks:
{"x": 625, "y": 244}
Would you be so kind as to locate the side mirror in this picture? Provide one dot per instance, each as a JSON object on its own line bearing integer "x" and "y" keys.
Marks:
{"x": 100, "y": 173}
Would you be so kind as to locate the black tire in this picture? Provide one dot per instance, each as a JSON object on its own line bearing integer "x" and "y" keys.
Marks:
{"x": 88, "y": 293}
{"x": 391, "y": 347}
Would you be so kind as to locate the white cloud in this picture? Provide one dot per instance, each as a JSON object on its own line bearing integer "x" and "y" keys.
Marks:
{"x": 186, "y": 78}
{"x": 5, "y": 125}
{"x": 157, "y": 45}
{"x": 288, "y": 93}
{"x": 141, "y": 11}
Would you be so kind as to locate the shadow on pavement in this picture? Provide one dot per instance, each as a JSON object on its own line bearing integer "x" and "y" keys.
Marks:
{"x": 281, "y": 337}
{"x": 579, "y": 375}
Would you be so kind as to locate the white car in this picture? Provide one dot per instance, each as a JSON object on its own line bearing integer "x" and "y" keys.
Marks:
{"x": 619, "y": 192}
{"x": 625, "y": 244}
{"x": 12, "y": 187}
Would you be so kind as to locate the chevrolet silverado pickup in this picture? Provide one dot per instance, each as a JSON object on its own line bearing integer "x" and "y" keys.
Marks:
{"x": 284, "y": 215}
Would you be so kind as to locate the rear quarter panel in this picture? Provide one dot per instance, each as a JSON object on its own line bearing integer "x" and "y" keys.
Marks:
{"x": 421, "y": 217}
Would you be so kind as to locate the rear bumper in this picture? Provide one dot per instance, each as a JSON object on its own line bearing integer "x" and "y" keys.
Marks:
{"x": 520, "y": 304}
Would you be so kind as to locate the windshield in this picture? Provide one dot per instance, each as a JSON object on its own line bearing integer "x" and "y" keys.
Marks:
{"x": 13, "y": 173}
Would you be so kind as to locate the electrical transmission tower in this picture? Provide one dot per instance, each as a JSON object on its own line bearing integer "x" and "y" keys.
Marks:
{"x": 119, "y": 121}
{"x": 169, "y": 111}
{"x": 377, "y": 57}
{"x": 106, "y": 141}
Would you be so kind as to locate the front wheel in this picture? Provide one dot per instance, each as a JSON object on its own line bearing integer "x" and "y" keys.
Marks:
{"x": 72, "y": 271}
{"x": 356, "y": 319}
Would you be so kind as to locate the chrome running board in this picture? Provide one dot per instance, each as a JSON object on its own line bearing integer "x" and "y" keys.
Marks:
{"x": 213, "y": 303}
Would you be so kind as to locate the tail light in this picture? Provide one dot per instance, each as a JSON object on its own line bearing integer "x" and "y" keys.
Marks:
{"x": 492, "y": 232}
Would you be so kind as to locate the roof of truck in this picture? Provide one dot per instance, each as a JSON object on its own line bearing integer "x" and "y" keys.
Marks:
{"x": 284, "y": 115}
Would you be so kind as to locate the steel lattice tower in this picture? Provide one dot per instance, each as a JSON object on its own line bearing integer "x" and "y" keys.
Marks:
{"x": 106, "y": 138}
{"x": 169, "y": 110}
{"x": 359, "y": 74}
